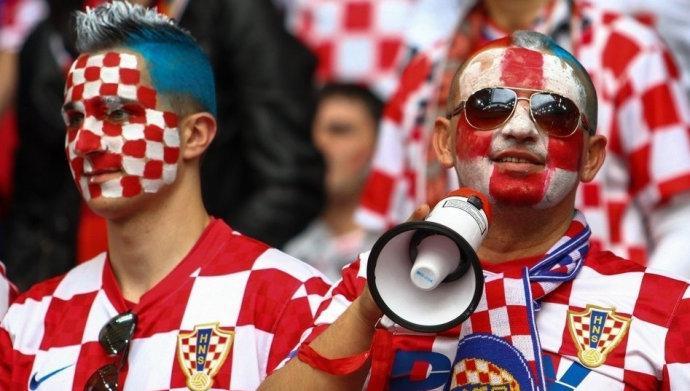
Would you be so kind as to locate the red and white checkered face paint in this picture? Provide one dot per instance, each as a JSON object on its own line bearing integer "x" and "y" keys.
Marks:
{"x": 117, "y": 143}
{"x": 516, "y": 163}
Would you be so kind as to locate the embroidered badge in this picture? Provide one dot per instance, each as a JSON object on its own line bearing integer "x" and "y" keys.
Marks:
{"x": 596, "y": 332}
{"x": 202, "y": 352}
{"x": 487, "y": 362}
{"x": 477, "y": 374}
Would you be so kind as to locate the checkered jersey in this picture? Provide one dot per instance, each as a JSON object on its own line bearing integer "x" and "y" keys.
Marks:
{"x": 354, "y": 40}
{"x": 642, "y": 111}
{"x": 229, "y": 286}
{"x": 17, "y": 20}
{"x": 652, "y": 354}
{"x": 8, "y": 292}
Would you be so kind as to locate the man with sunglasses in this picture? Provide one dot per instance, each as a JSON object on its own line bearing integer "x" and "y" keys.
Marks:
{"x": 554, "y": 313}
{"x": 639, "y": 202}
{"x": 179, "y": 300}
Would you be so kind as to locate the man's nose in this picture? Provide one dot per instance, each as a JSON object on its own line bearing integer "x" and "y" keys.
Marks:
{"x": 520, "y": 126}
{"x": 87, "y": 141}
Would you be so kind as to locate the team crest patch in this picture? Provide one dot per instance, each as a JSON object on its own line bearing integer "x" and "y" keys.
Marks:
{"x": 596, "y": 332}
{"x": 485, "y": 362}
{"x": 477, "y": 374}
{"x": 202, "y": 352}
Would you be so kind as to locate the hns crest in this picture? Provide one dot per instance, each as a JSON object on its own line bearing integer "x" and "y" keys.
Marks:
{"x": 596, "y": 331}
{"x": 201, "y": 354}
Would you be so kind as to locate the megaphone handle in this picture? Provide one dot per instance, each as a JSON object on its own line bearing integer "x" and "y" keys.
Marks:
{"x": 418, "y": 236}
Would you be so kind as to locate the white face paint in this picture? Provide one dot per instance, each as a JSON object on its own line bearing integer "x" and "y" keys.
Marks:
{"x": 118, "y": 143}
{"x": 516, "y": 163}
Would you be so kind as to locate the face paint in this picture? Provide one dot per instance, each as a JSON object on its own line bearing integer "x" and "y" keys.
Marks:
{"x": 117, "y": 143}
{"x": 516, "y": 164}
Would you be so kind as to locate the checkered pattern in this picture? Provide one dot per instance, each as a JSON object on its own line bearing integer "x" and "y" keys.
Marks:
{"x": 654, "y": 353}
{"x": 354, "y": 40}
{"x": 214, "y": 355}
{"x": 477, "y": 371}
{"x": 107, "y": 74}
{"x": 8, "y": 292}
{"x": 265, "y": 297}
{"x": 146, "y": 146}
{"x": 642, "y": 112}
{"x": 612, "y": 328}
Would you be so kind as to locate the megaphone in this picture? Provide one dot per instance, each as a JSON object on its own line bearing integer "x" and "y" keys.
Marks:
{"x": 425, "y": 275}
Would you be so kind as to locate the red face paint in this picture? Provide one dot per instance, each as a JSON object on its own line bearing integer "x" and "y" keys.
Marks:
{"x": 526, "y": 183}
{"x": 118, "y": 144}
{"x": 471, "y": 143}
{"x": 522, "y": 68}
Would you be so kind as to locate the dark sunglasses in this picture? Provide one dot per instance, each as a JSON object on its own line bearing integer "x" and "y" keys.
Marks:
{"x": 553, "y": 114}
{"x": 115, "y": 338}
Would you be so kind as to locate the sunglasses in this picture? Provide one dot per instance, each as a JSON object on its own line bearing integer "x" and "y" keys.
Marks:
{"x": 115, "y": 338}
{"x": 489, "y": 108}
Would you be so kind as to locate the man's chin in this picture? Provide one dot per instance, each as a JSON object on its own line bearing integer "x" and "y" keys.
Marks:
{"x": 113, "y": 208}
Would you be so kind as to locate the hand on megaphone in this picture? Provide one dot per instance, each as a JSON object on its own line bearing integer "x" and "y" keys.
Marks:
{"x": 366, "y": 307}
{"x": 425, "y": 275}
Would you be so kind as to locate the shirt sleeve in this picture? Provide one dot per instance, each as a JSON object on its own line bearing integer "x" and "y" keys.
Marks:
{"x": 343, "y": 293}
{"x": 676, "y": 371}
{"x": 296, "y": 317}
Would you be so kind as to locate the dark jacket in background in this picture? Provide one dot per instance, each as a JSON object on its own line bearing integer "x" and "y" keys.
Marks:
{"x": 261, "y": 174}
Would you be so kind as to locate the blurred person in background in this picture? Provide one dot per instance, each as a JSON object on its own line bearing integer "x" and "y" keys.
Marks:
{"x": 262, "y": 169}
{"x": 17, "y": 19}
{"x": 344, "y": 131}
{"x": 355, "y": 41}
{"x": 638, "y": 204}
{"x": 670, "y": 17}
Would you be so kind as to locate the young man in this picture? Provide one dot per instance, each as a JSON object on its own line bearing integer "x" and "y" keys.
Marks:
{"x": 344, "y": 131}
{"x": 520, "y": 128}
{"x": 180, "y": 299}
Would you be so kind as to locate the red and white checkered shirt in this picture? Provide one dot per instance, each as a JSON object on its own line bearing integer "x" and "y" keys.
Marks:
{"x": 354, "y": 40}
{"x": 8, "y": 292}
{"x": 233, "y": 304}
{"x": 647, "y": 311}
{"x": 642, "y": 111}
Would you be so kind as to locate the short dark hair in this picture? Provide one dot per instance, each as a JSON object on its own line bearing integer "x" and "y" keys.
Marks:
{"x": 373, "y": 103}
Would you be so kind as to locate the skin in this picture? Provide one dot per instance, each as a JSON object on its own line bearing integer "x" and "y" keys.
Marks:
{"x": 118, "y": 146}
{"x": 486, "y": 160}
{"x": 146, "y": 234}
{"x": 345, "y": 134}
{"x": 518, "y": 230}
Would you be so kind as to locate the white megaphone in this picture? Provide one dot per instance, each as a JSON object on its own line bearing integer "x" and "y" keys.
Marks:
{"x": 425, "y": 275}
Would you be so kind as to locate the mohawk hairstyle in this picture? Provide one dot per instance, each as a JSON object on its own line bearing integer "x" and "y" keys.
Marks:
{"x": 177, "y": 65}
{"x": 115, "y": 24}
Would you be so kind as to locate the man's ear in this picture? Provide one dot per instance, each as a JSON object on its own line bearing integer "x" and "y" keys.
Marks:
{"x": 595, "y": 153}
{"x": 444, "y": 142}
{"x": 197, "y": 131}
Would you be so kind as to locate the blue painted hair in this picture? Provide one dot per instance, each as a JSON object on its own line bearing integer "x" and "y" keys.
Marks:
{"x": 176, "y": 63}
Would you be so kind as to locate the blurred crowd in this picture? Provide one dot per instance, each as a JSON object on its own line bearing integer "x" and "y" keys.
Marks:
{"x": 325, "y": 110}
